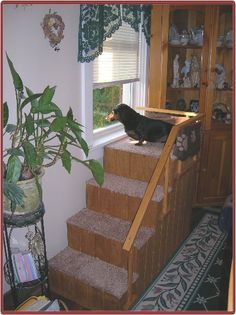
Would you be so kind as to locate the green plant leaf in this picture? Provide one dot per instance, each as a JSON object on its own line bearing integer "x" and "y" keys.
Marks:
{"x": 44, "y": 105}
{"x": 46, "y": 97}
{"x": 66, "y": 160}
{"x": 10, "y": 128}
{"x": 51, "y": 108}
{"x": 16, "y": 151}
{"x": 74, "y": 125}
{"x": 55, "y": 109}
{"x": 69, "y": 114}
{"x": 14, "y": 193}
{"x": 68, "y": 136}
{"x": 18, "y": 84}
{"x": 40, "y": 154}
{"x": 13, "y": 169}
{"x": 5, "y": 114}
{"x": 83, "y": 144}
{"x": 31, "y": 100}
{"x": 58, "y": 124}
{"x": 44, "y": 123}
{"x": 34, "y": 102}
{"x": 97, "y": 171}
{"x": 30, "y": 155}
{"x": 75, "y": 128}
{"x": 29, "y": 124}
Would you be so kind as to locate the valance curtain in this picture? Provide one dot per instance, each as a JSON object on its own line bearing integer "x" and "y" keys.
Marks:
{"x": 98, "y": 22}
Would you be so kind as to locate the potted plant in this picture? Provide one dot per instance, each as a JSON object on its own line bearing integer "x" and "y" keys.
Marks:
{"x": 41, "y": 136}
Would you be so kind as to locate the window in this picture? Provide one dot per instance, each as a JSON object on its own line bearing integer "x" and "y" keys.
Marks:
{"x": 114, "y": 72}
{"x": 117, "y": 75}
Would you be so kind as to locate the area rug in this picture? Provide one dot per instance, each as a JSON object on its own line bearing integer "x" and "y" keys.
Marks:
{"x": 176, "y": 285}
{"x": 212, "y": 294}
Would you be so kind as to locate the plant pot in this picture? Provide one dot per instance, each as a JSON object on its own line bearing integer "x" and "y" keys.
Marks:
{"x": 32, "y": 199}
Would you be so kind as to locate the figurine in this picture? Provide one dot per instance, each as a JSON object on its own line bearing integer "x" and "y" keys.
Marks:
{"x": 175, "y": 83}
{"x": 229, "y": 39}
{"x": 221, "y": 112}
{"x": 220, "y": 77}
{"x": 168, "y": 105}
{"x": 184, "y": 37}
{"x": 181, "y": 104}
{"x": 186, "y": 70}
{"x": 194, "y": 72}
{"x": 173, "y": 35}
{"x": 194, "y": 104}
{"x": 197, "y": 35}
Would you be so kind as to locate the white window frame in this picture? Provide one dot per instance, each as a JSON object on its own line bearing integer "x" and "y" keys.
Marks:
{"x": 99, "y": 137}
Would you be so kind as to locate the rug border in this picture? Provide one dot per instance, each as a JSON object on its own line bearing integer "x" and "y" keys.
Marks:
{"x": 203, "y": 274}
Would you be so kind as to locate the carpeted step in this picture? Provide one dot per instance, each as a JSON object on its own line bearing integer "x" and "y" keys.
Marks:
{"x": 93, "y": 233}
{"x": 124, "y": 158}
{"x": 80, "y": 278}
{"x": 126, "y": 144}
{"x": 120, "y": 197}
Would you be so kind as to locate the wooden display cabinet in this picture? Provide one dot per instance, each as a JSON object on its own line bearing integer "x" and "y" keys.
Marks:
{"x": 215, "y": 169}
{"x": 215, "y": 174}
{"x": 183, "y": 19}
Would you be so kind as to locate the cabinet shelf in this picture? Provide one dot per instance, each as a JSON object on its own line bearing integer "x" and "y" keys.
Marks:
{"x": 224, "y": 48}
{"x": 27, "y": 284}
{"x": 183, "y": 89}
{"x": 224, "y": 90}
{"x": 36, "y": 248}
{"x": 185, "y": 46}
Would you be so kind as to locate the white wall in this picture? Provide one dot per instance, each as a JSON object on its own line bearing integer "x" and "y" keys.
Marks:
{"x": 39, "y": 65}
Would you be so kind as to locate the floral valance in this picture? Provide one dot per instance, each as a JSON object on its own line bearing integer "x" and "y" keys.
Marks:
{"x": 98, "y": 22}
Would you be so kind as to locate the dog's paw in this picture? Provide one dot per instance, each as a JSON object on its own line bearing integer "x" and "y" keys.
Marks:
{"x": 139, "y": 143}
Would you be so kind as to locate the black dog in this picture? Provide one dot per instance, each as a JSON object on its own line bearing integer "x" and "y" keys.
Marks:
{"x": 139, "y": 127}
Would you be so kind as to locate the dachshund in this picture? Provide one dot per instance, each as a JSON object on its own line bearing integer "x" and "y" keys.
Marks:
{"x": 139, "y": 127}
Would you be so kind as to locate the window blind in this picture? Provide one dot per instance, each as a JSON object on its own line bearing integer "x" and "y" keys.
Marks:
{"x": 119, "y": 62}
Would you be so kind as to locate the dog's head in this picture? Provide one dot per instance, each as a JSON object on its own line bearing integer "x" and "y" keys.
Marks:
{"x": 112, "y": 116}
{"x": 120, "y": 112}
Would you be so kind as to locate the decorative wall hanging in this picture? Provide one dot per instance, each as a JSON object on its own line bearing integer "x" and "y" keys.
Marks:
{"x": 98, "y": 22}
{"x": 53, "y": 28}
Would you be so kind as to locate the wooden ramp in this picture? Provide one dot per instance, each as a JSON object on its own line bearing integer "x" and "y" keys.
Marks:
{"x": 95, "y": 271}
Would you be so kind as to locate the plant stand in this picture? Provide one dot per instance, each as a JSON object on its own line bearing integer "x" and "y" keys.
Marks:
{"x": 36, "y": 248}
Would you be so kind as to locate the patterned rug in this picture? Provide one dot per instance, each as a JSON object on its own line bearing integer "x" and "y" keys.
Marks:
{"x": 212, "y": 294}
{"x": 176, "y": 286}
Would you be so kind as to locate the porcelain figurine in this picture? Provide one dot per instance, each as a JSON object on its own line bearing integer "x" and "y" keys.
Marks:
{"x": 175, "y": 83}
{"x": 195, "y": 72}
{"x": 173, "y": 35}
{"x": 220, "y": 77}
{"x": 186, "y": 72}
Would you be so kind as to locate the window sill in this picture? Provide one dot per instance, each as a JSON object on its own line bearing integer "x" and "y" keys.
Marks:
{"x": 107, "y": 135}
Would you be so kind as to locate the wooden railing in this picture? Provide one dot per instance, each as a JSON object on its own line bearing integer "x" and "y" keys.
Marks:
{"x": 161, "y": 164}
